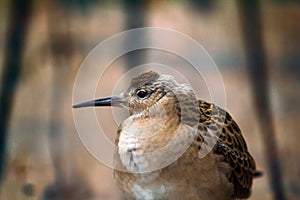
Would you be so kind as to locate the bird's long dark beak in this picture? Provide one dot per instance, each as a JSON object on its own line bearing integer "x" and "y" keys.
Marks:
{"x": 119, "y": 101}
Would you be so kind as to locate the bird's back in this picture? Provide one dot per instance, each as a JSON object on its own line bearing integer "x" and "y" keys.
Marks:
{"x": 231, "y": 145}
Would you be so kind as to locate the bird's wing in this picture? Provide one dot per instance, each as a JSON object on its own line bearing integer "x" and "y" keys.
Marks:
{"x": 231, "y": 145}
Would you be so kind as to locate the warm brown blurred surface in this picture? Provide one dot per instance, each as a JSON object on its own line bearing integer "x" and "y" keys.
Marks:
{"x": 214, "y": 25}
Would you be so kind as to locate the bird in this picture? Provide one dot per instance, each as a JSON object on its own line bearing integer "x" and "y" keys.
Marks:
{"x": 174, "y": 146}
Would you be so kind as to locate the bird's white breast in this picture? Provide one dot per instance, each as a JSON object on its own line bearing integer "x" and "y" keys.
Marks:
{"x": 135, "y": 156}
{"x": 150, "y": 193}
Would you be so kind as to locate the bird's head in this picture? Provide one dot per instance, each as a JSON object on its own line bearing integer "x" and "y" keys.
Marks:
{"x": 147, "y": 90}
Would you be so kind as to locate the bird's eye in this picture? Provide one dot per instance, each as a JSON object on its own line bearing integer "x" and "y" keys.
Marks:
{"x": 142, "y": 93}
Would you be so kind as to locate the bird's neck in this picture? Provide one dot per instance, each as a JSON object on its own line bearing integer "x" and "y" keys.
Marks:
{"x": 153, "y": 138}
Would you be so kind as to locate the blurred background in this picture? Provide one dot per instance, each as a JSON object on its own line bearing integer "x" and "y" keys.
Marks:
{"x": 255, "y": 44}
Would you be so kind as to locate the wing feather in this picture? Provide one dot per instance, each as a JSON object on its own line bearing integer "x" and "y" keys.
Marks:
{"x": 231, "y": 145}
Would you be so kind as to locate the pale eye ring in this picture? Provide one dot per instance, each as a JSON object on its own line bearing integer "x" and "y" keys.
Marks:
{"x": 142, "y": 94}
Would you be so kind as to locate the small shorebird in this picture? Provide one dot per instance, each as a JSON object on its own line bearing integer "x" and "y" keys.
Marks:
{"x": 174, "y": 146}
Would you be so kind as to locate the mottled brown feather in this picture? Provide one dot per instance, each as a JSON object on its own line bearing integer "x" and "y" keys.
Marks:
{"x": 232, "y": 145}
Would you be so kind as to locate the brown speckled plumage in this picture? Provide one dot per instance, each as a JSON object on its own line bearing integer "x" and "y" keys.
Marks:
{"x": 232, "y": 146}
